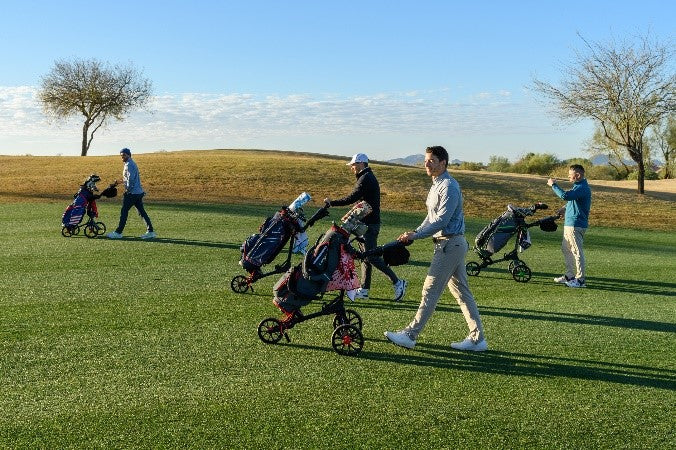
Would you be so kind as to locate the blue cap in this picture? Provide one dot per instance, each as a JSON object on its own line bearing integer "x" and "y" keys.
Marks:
{"x": 126, "y": 151}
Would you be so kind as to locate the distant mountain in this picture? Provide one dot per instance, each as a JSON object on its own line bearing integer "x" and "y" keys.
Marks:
{"x": 416, "y": 160}
{"x": 602, "y": 160}
{"x": 412, "y": 160}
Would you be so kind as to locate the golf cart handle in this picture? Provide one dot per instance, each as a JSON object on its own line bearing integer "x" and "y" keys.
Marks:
{"x": 320, "y": 214}
{"x": 378, "y": 251}
{"x": 536, "y": 223}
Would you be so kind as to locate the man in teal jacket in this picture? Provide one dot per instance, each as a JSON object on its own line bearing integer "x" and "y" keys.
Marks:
{"x": 575, "y": 225}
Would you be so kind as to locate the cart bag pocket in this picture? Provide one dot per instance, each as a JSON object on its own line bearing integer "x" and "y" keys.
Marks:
{"x": 73, "y": 215}
{"x": 524, "y": 240}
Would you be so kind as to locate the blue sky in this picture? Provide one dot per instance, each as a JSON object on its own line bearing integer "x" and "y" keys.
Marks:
{"x": 387, "y": 78}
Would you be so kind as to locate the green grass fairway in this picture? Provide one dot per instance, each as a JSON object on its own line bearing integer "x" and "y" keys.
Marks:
{"x": 133, "y": 344}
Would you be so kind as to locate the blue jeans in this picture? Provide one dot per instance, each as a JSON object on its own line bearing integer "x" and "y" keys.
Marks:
{"x": 128, "y": 201}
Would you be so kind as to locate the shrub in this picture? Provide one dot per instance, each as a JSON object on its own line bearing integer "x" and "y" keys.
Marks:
{"x": 498, "y": 164}
{"x": 536, "y": 163}
{"x": 475, "y": 166}
{"x": 603, "y": 172}
{"x": 648, "y": 175}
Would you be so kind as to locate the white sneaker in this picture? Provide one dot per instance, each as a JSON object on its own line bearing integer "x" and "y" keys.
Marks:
{"x": 361, "y": 293}
{"x": 148, "y": 235}
{"x": 576, "y": 283}
{"x": 563, "y": 279}
{"x": 471, "y": 345}
{"x": 114, "y": 235}
{"x": 400, "y": 290}
{"x": 400, "y": 338}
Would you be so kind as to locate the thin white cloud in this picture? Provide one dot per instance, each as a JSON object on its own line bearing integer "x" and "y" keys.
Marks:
{"x": 191, "y": 120}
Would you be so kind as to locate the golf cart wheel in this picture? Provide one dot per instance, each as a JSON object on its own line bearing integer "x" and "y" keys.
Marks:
{"x": 351, "y": 318}
{"x": 90, "y": 230}
{"x": 66, "y": 232}
{"x": 521, "y": 272}
{"x": 472, "y": 269}
{"x": 239, "y": 284}
{"x": 347, "y": 340}
{"x": 100, "y": 228}
{"x": 270, "y": 331}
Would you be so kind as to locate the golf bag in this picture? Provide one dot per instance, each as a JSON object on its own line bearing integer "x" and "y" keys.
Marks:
{"x": 263, "y": 247}
{"x": 496, "y": 234}
{"x": 84, "y": 202}
{"x": 327, "y": 266}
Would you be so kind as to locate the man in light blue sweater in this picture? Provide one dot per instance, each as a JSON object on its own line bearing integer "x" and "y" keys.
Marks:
{"x": 575, "y": 225}
{"x": 133, "y": 196}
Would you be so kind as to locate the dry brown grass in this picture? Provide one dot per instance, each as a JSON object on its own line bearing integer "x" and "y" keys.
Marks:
{"x": 275, "y": 178}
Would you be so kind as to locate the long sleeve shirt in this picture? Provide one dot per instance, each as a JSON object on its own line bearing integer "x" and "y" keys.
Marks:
{"x": 578, "y": 203}
{"x": 445, "y": 215}
{"x": 131, "y": 178}
{"x": 366, "y": 188}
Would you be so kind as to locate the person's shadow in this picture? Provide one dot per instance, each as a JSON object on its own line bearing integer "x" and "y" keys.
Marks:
{"x": 194, "y": 242}
{"x": 516, "y": 364}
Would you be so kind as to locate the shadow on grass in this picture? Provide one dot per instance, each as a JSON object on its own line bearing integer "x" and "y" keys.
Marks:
{"x": 527, "y": 314}
{"x": 646, "y": 287}
{"x": 520, "y": 364}
{"x": 193, "y": 242}
{"x": 582, "y": 319}
{"x": 541, "y": 366}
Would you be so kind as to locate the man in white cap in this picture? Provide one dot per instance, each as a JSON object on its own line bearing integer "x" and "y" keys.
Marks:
{"x": 367, "y": 188}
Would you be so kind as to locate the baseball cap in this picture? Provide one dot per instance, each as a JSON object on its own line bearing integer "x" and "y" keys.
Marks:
{"x": 126, "y": 151}
{"x": 358, "y": 158}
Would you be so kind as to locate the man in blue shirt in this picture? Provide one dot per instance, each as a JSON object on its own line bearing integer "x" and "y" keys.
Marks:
{"x": 575, "y": 225}
{"x": 133, "y": 196}
{"x": 445, "y": 223}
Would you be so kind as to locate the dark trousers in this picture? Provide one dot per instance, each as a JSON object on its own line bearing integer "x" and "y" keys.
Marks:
{"x": 128, "y": 201}
{"x": 371, "y": 242}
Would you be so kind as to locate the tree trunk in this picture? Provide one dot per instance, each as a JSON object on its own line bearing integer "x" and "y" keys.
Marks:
{"x": 641, "y": 177}
{"x": 85, "y": 143}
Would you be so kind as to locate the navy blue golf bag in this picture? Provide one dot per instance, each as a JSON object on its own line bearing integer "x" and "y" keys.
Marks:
{"x": 263, "y": 247}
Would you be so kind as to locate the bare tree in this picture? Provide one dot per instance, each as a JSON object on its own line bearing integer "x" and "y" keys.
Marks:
{"x": 625, "y": 89}
{"x": 600, "y": 145}
{"x": 95, "y": 90}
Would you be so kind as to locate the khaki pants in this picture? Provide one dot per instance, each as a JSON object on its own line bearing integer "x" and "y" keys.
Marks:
{"x": 573, "y": 253}
{"x": 447, "y": 269}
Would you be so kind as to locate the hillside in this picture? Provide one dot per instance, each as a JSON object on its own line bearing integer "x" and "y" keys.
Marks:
{"x": 276, "y": 178}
